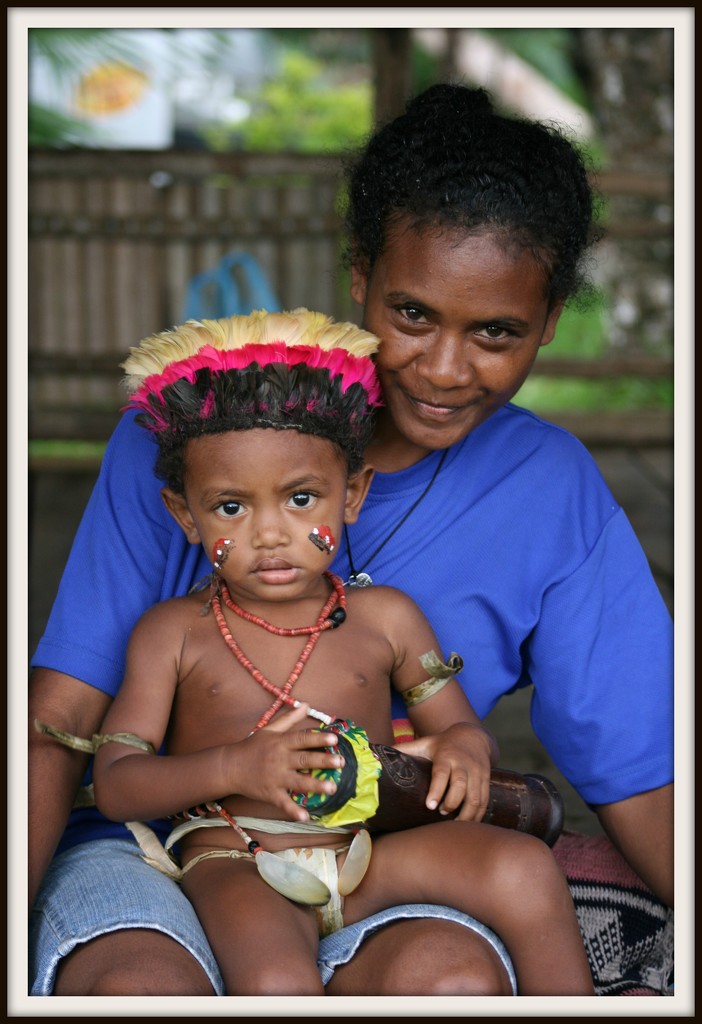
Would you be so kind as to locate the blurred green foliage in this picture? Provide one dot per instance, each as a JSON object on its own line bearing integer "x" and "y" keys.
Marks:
{"x": 582, "y": 334}
{"x": 301, "y": 110}
{"x": 548, "y": 394}
{"x": 78, "y": 450}
{"x": 50, "y": 129}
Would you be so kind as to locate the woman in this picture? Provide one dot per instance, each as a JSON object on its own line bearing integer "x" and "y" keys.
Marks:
{"x": 468, "y": 233}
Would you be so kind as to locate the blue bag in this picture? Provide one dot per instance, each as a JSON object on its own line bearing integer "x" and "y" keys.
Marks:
{"x": 235, "y": 286}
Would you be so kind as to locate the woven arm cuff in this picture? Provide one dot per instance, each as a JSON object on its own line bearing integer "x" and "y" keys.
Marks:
{"x": 440, "y": 673}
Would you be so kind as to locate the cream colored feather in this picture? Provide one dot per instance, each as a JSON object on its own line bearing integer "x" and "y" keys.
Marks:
{"x": 295, "y": 327}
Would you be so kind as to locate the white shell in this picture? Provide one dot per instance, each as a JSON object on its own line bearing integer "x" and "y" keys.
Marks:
{"x": 356, "y": 863}
{"x": 292, "y": 881}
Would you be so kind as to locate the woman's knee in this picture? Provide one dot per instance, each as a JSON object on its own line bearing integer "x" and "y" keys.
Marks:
{"x": 129, "y": 963}
{"x": 424, "y": 956}
{"x": 447, "y": 959}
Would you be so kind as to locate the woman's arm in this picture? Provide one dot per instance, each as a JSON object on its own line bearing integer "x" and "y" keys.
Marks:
{"x": 55, "y": 771}
{"x": 642, "y": 830}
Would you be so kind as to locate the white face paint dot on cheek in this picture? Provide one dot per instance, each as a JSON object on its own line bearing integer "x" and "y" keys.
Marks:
{"x": 323, "y": 538}
{"x": 220, "y": 551}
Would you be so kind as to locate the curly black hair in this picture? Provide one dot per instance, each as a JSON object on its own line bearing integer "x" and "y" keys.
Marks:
{"x": 450, "y": 160}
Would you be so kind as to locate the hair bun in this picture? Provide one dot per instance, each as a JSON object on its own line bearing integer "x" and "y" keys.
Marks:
{"x": 460, "y": 99}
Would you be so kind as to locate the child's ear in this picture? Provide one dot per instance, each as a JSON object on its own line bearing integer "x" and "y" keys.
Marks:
{"x": 356, "y": 490}
{"x": 178, "y": 507}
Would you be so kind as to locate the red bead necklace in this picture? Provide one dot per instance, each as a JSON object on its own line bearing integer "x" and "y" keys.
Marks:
{"x": 326, "y": 620}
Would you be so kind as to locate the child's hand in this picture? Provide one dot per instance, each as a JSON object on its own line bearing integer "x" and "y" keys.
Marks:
{"x": 267, "y": 765}
{"x": 461, "y": 757}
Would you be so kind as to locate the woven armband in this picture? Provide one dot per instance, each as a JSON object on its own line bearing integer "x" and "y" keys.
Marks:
{"x": 127, "y": 738}
{"x": 90, "y": 746}
{"x": 440, "y": 673}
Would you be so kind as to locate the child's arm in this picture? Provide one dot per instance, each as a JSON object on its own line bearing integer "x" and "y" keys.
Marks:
{"x": 132, "y": 785}
{"x": 449, "y": 732}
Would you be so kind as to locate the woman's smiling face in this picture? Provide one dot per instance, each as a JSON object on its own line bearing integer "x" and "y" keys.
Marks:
{"x": 461, "y": 319}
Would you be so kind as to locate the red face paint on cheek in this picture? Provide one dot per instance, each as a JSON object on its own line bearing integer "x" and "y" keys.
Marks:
{"x": 220, "y": 550}
{"x": 323, "y": 538}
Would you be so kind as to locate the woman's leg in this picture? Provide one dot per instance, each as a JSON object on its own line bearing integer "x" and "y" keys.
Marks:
{"x": 422, "y": 957}
{"x": 506, "y": 879}
{"x": 106, "y": 923}
{"x": 264, "y": 943}
{"x": 131, "y": 962}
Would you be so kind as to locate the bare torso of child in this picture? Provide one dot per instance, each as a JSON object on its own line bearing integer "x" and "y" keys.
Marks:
{"x": 217, "y": 701}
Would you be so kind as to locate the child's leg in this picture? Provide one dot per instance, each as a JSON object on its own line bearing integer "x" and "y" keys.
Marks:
{"x": 264, "y": 943}
{"x": 506, "y": 879}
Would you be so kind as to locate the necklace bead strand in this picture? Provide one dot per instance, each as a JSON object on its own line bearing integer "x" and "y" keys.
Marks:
{"x": 324, "y": 622}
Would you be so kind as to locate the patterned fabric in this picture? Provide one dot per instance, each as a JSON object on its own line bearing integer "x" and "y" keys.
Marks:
{"x": 628, "y": 932}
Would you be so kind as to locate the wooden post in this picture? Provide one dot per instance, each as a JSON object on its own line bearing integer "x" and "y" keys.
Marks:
{"x": 392, "y": 71}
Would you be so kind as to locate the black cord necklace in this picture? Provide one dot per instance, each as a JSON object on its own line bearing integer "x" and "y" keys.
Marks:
{"x": 359, "y": 578}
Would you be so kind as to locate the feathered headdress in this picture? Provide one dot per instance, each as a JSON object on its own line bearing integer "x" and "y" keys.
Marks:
{"x": 297, "y": 370}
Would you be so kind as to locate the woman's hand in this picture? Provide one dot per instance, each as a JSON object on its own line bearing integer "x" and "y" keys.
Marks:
{"x": 274, "y": 762}
{"x": 462, "y": 756}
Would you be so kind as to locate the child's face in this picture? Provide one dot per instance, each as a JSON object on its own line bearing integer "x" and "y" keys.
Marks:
{"x": 461, "y": 321}
{"x": 266, "y": 491}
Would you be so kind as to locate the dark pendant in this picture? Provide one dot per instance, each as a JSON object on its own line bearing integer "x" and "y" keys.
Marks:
{"x": 337, "y": 617}
{"x": 360, "y": 579}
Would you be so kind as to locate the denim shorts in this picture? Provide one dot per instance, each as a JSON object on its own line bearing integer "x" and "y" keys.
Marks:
{"x": 104, "y": 886}
{"x": 339, "y": 948}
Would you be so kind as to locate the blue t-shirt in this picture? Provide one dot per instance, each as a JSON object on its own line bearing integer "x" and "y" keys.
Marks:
{"x": 519, "y": 556}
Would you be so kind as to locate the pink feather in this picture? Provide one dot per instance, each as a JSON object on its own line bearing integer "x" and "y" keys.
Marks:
{"x": 352, "y": 369}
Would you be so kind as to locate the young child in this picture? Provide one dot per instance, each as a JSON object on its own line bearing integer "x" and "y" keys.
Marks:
{"x": 265, "y": 685}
